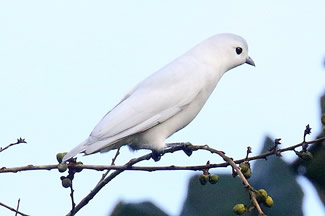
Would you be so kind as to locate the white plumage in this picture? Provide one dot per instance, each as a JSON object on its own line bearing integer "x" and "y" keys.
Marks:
{"x": 168, "y": 100}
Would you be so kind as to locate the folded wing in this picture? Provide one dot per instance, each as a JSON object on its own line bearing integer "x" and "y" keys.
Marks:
{"x": 154, "y": 100}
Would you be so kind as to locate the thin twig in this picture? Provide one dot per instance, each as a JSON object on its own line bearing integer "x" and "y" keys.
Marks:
{"x": 247, "y": 185}
{"x": 18, "y": 203}
{"x": 113, "y": 163}
{"x": 19, "y": 141}
{"x": 249, "y": 150}
{"x": 28, "y": 168}
{"x": 115, "y": 157}
{"x": 12, "y": 209}
{"x": 72, "y": 200}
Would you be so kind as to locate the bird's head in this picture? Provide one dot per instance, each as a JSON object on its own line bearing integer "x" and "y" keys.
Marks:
{"x": 225, "y": 50}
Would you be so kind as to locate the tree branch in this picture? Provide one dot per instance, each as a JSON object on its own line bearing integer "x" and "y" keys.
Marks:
{"x": 12, "y": 209}
{"x": 18, "y": 203}
{"x": 19, "y": 141}
{"x": 113, "y": 163}
{"x": 172, "y": 148}
{"x": 241, "y": 176}
{"x": 160, "y": 168}
{"x": 106, "y": 180}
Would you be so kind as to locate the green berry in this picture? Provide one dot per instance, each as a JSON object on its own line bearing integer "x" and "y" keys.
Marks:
{"x": 203, "y": 179}
{"x": 239, "y": 209}
{"x": 244, "y": 166}
{"x": 59, "y": 156}
{"x": 62, "y": 167}
{"x": 213, "y": 179}
{"x": 269, "y": 201}
{"x": 261, "y": 195}
{"x": 66, "y": 182}
{"x": 323, "y": 119}
{"x": 247, "y": 174}
{"x": 78, "y": 168}
{"x": 306, "y": 155}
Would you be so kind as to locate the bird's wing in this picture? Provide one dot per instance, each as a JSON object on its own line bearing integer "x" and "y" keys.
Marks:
{"x": 152, "y": 120}
{"x": 151, "y": 102}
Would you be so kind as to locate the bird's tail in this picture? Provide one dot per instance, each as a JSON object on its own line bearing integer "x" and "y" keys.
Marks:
{"x": 76, "y": 150}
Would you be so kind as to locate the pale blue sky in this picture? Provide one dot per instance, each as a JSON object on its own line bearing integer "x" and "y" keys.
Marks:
{"x": 63, "y": 65}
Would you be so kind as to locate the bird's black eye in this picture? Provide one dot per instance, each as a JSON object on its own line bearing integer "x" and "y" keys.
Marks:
{"x": 239, "y": 50}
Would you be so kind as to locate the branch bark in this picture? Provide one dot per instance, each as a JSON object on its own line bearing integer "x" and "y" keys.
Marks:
{"x": 160, "y": 168}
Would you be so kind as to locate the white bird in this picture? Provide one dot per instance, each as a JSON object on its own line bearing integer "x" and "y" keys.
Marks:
{"x": 168, "y": 100}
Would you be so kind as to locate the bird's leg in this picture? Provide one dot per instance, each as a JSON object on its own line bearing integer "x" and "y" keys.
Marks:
{"x": 156, "y": 155}
{"x": 183, "y": 145}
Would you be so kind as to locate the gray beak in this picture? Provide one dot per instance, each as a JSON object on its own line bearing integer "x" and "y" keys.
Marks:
{"x": 250, "y": 61}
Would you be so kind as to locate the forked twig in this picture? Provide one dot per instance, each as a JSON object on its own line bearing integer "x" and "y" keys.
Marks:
{"x": 12, "y": 209}
{"x": 19, "y": 141}
{"x": 113, "y": 163}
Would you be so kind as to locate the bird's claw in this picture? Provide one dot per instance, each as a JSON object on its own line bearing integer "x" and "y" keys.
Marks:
{"x": 184, "y": 146}
{"x": 187, "y": 150}
{"x": 156, "y": 155}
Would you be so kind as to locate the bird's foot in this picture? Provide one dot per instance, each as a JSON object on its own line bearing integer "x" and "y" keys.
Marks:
{"x": 156, "y": 155}
{"x": 183, "y": 145}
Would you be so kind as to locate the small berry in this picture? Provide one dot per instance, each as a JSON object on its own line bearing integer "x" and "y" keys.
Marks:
{"x": 244, "y": 166}
{"x": 62, "y": 167}
{"x": 203, "y": 179}
{"x": 78, "y": 169}
{"x": 247, "y": 174}
{"x": 261, "y": 195}
{"x": 59, "y": 156}
{"x": 306, "y": 155}
{"x": 269, "y": 201}
{"x": 239, "y": 209}
{"x": 213, "y": 179}
{"x": 66, "y": 182}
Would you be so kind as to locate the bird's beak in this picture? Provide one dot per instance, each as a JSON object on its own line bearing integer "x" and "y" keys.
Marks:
{"x": 250, "y": 61}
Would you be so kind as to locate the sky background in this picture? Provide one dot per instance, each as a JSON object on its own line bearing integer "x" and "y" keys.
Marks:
{"x": 64, "y": 64}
